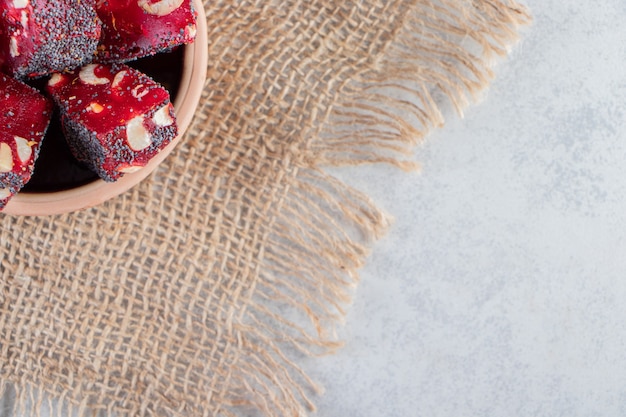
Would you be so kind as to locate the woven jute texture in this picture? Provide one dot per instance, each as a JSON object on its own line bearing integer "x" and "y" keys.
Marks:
{"x": 196, "y": 293}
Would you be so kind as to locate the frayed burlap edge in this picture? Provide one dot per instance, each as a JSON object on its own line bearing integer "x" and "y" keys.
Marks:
{"x": 441, "y": 55}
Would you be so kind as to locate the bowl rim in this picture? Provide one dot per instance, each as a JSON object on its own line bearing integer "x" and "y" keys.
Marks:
{"x": 99, "y": 191}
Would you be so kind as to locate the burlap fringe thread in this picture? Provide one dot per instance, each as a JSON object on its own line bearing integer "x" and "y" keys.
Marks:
{"x": 434, "y": 61}
{"x": 440, "y": 55}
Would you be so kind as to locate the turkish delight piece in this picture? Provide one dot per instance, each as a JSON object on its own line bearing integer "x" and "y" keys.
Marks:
{"x": 24, "y": 118}
{"x": 136, "y": 28}
{"x": 17, "y": 161}
{"x": 38, "y": 37}
{"x": 115, "y": 118}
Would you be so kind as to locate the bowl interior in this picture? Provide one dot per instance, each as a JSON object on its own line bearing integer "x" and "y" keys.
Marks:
{"x": 56, "y": 169}
{"x": 60, "y": 184}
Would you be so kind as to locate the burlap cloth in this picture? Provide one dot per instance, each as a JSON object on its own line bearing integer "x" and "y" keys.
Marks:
{"x": 195, "y": 293}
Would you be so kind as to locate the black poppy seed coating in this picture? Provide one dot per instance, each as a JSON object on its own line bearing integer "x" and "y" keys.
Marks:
{"x": 85, "y": 146}
{"x": 11, "y": 180}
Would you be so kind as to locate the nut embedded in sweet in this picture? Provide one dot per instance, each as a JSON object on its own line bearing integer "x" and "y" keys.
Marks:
{"x": 88, "y": 76}
{"x": 13, "y": 49}
{"x": 6, "y": 158}
{"x": 118, "y": 78}
{"x": 55, "y": 79}
{"x": 24, "y": 150}
{"x": 24, "y": 19}
{"x": 20, "y": 4}
{"x": 160, "y": 8}
{"x": 139, "y": 91}
{"x": 162, "y": 117}
{"x": 136, "y": 134}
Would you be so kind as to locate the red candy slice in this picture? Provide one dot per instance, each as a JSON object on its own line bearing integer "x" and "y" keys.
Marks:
{"x": 115, "y": 118}
{"x": 24, "y": 118}
{"x": 137, "y": 28}
{"x": 38, "y": 37}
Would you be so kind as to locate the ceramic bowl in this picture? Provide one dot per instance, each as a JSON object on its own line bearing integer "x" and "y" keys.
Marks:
{"x": 61, "y": 185}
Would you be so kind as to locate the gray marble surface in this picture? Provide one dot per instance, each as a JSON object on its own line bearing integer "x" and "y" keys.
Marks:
{"x": 501, "y": 287}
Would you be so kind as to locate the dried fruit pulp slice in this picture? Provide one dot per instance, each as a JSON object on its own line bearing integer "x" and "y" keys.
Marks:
{"x": 115, "y": 118}
{"x": 137, "y": 28}
{"x": 38, "y": 37}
